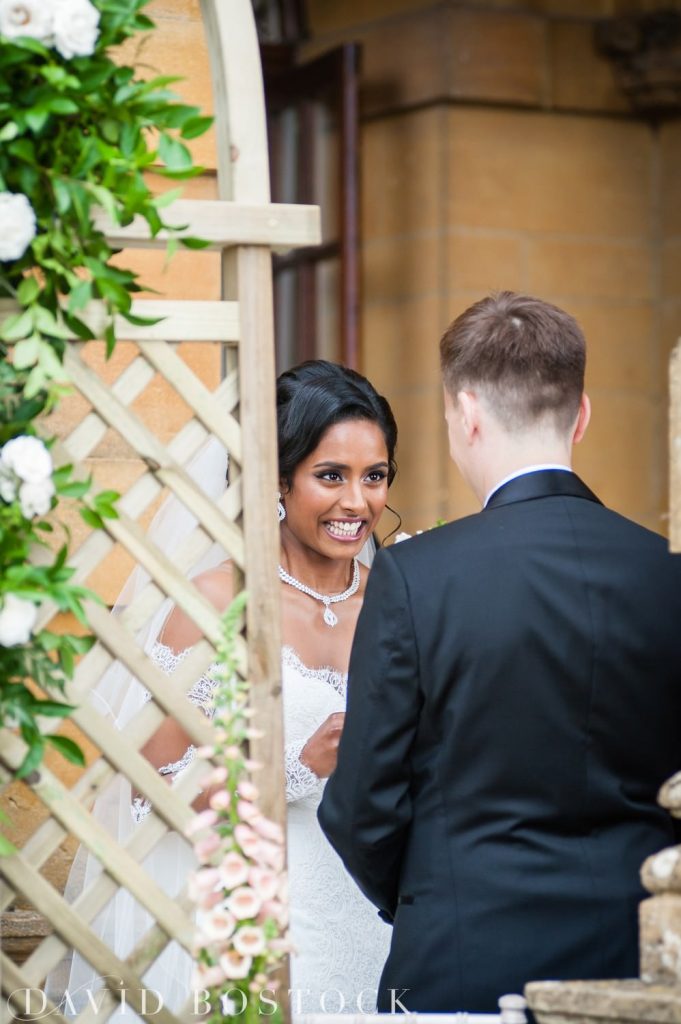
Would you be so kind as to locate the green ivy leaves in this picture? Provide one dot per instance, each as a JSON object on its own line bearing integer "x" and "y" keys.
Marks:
{"x": 76, "y": 138}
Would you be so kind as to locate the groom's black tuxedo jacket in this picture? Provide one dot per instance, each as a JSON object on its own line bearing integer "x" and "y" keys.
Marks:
{"x": 514, "y": 703}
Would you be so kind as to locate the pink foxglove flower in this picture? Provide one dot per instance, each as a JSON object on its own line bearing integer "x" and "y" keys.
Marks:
{"x": 233, "y": 870}
{"x": 235, "y": 966}
{"x": 244, "y": 903}
{"x": 247, "y": 839}
{"x": 272, "y": 855}
{"x": 215, "y": 778}
{"x": 247, "y": 790}
{"x": 205, "y": 848}
{"x": 207, "y": 977}
{"x": 254, "y": 734}
{"x": 276, "y": 910}
{"x": 249, "y": 940}
{"x": 247, "y": 811}
{"x": 265, "y": 882}
{"x": 209, "y": 900}
{"x": 268, "y": 829}
{"x": 202, "y": 881}
{"x": 206, "y": 819}
{"x": 221, "y": 800}
{"x": 218, "y": 925}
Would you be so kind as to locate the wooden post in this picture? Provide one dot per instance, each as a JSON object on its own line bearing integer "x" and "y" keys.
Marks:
{"x": 675, "y": 449}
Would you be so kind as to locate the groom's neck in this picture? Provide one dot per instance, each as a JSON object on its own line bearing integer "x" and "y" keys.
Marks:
{"x": 507, "y": 456}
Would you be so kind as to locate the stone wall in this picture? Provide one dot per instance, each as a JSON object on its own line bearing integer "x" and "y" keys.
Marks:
{"x": 499, "y": 153}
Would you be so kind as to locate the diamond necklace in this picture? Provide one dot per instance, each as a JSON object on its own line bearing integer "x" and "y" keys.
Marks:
{"x": 330, "y": 617}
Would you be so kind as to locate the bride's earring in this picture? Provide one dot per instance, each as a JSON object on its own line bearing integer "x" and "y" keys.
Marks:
{"x": 281, "y": 511}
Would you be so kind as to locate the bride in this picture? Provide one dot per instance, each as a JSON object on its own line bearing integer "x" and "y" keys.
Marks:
{"x": 336, "y": 438}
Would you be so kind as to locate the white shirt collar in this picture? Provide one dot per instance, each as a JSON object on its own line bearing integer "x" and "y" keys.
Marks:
{"x": 522, "y": 472}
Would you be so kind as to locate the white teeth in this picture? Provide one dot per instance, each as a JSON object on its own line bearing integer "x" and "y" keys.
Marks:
{"x": 344, "y": 529}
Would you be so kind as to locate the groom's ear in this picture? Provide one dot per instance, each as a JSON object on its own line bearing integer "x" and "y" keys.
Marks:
{"x": 583, "y": 417}
{"x": 469, "y": 407}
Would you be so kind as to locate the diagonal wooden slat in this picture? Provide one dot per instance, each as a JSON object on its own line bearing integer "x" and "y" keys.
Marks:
{"x": 155, "y": 455}
{"x": 49, "y": 836}
{"x": 18, "y": 989}
{"x": 91, "y": 430}
{"x": 120, "y": 865}
{"x": 166, "y": 695}
{"x": 102, "y": 888}
{"x": 48, "y": 902}
{"x": 206, "y": 409}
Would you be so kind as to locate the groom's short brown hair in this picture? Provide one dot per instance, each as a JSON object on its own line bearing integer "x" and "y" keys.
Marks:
{"x": 526, "y": 355}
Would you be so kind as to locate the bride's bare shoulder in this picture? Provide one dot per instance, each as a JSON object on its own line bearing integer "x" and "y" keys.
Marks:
{"x": 217, "y": 586}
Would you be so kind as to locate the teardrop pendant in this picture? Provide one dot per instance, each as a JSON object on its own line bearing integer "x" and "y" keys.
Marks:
{"x": 330, "y": 617}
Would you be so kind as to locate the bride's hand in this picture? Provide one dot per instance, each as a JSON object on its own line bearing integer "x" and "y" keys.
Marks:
{"x": 321, "y": 750}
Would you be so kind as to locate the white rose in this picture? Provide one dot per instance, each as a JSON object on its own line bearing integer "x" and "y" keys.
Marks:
{"x": 17, "y": 225}
{"x": 75, "y": 28}
{"x": 36, "y": 498}
{"x": 28, "y": 458}
{"x": 17, "y": 619}
{"x": 26, "y": 18}
{"x": 8, "y": 484}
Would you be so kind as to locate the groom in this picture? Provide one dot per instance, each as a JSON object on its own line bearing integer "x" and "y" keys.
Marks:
{"x": 514, "y": 697}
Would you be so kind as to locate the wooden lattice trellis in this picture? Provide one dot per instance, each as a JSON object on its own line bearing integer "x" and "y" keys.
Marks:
{"x": 244, "y": 226}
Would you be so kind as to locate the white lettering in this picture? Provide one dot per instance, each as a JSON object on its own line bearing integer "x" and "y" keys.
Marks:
{"x": 159, "y": 997}
{"x": 395, "y": 1001}
{"x": 268, "y": 1002}
{"x": 234, "y": 1012}
{"x": 322, "y": 1001}
{"x": 360, "y": 995}
{"x": 299, "y": 992}
{"x": 201, "y": 996}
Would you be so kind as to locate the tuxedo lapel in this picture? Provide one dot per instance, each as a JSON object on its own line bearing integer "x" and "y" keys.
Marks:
{"x": 543, "y": 483}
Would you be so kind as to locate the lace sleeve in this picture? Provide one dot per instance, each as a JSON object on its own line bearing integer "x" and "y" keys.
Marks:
{"x": 201, "y": 694}
{"x": 301, "y": 781}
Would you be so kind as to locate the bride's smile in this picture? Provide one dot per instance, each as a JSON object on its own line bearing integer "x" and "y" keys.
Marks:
{"x": 336, "y": 498}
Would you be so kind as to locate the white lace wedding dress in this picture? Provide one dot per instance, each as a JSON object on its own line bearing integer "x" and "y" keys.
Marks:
{"x": 340, "y": 942}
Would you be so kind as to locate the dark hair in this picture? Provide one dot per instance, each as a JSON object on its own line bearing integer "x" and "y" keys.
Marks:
{"x": 318, "y": 394}
{"x": 528, "y": 354}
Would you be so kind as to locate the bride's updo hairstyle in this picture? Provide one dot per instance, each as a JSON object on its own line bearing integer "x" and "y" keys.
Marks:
{"x": 315, "y": 396}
